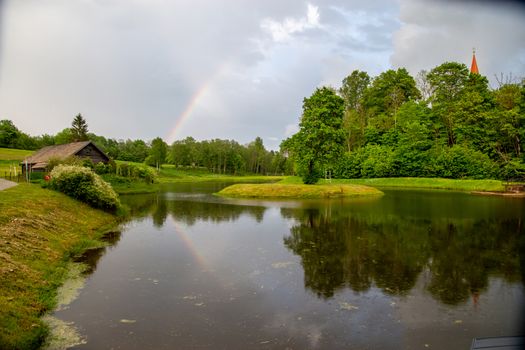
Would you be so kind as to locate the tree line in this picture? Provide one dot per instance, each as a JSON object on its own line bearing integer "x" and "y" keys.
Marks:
{"x": 444, "y": 123}
{"x": 217, "y": 155}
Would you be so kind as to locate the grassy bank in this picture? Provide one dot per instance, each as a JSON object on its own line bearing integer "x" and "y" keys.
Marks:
{"x": 415, "y": 182}
{"x": 431, "y": 183}
{"x": 40, "y": 231}
{"x": 297, "y": 191}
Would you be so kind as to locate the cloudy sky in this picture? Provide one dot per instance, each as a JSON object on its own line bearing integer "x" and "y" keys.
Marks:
{"x": 230, "y": 69}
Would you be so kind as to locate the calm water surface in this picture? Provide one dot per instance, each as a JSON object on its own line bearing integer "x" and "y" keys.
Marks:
{"x": 409, "y": 270}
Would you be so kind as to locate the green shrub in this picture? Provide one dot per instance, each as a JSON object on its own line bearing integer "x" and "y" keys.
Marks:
{"x": 369, "y": 161}
{"x": 83, "y": 184}
{"x": 377, "y": 162}
{"x": 350, "y": 165}
{"x": 72, "y": 160}
{"x": 513, "y": 170}
{"x": 460, "y": 162}
{"x": 133, "y": 171}
{"x": 101, "y": 168}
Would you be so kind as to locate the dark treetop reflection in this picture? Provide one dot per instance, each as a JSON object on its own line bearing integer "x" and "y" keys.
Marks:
{"x": 344, "y": 249}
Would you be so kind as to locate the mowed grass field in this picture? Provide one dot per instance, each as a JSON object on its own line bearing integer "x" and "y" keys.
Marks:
{"x": 11, "y": 158}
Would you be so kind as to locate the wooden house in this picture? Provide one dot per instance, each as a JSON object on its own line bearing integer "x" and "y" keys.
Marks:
{"x": 86, "y": 149}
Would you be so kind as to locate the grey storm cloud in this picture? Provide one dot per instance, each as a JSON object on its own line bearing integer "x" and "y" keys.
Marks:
{"x": 434, "y": 32}
{"x": 228, "y": 69}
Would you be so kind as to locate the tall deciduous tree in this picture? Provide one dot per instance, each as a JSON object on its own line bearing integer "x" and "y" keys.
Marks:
{"x": 79, "y": 129}
{"x": 353, "y": 88}
{"x": 448, "y": 82}
{"x": 319, "y": 141}
{"x": 390, "y": 89}
{"x": 354, "y": 123}
{"x": 256, "y": 154}
{"x": 157, "y": 153}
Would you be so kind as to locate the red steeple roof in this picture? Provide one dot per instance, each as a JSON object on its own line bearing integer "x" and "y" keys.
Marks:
{"x": 474, "y": 65}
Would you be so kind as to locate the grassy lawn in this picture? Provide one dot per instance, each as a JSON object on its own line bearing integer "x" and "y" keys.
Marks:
{"x": 14, "y": 154}
{"x": 11, "y": 157}
{"x": 171, "y": 174}
{"x": 40, "y": 231}
{"x": 297, "y": 191}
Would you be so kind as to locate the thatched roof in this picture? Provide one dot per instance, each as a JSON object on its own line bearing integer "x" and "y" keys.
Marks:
{"x": 41, "y": 157}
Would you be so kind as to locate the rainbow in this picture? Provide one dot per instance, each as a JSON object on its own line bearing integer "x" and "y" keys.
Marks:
{"x": 194, "y": 101}
{"x": 188, "y": 243}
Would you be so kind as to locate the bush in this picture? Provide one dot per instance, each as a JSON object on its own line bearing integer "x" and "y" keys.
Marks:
{"x": 83, "y": 184}
{"x": 72, "y": 160}
{"x": 460, "y": 162}
{"x": 378, "y": 162}
{"x": 369, "y": 161}
{"x": 350, "y": 165}
{"x": 412, "y": 163}
{"x": 101, "y": 168}
{"x": 145, "y": 173}
{"x": 513, "y": 170}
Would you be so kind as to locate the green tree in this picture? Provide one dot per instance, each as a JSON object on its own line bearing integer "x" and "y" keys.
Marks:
{"x": 353, "y": 88}
{"x": 354, "y": 122}
{"x": 9, "y": 134}
{"x": 79, "y": 129}
{"x": 157, "y": 153}
{"x": 184, "y": 152}
{"x": 319, "y": 141}
{"x": 387, "y": 93}
{"x": 64, "y": 136}
{"x": 255, "y": 154}
{"x": 508, "y": 121}
{"x": 447, "y": 81}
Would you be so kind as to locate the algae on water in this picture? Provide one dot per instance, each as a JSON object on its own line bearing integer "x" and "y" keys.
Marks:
{"x": 63, "y": 335}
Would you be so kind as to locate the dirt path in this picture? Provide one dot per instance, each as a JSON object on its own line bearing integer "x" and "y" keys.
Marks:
{"x": 6, "y": 184}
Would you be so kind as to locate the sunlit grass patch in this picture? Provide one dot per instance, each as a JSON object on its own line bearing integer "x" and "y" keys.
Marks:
{"x": 297, "y": 191}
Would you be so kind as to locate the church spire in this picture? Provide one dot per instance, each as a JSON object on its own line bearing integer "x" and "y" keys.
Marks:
{"x": 474, "y": 65}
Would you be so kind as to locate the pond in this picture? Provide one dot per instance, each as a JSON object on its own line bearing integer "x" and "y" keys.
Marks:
{"x": 409, "y": 270}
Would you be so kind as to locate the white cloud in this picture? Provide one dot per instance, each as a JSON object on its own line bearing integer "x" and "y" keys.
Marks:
{"x": 282, "y": 31}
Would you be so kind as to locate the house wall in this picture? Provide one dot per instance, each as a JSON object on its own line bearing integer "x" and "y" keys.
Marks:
{"x": 91, "y": 152}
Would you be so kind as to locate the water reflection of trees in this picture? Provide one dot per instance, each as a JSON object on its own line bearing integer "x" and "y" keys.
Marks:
{"x": 91, "y": 256}
{"x": 188, "y": 211}
{"x": 341, "y": 249}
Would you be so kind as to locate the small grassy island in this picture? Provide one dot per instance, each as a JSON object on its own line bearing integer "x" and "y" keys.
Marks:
{"x": 297, "y": 191}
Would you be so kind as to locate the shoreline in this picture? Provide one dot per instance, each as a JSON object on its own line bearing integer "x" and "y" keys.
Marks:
{"x": 41, "y": 233}
{"x": 501, "y": 194}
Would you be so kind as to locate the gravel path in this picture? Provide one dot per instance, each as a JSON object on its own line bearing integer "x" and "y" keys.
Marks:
{"x": 6, "y": 184}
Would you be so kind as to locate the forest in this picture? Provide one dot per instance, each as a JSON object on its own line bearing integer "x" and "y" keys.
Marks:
{"x": 446, "y": 122}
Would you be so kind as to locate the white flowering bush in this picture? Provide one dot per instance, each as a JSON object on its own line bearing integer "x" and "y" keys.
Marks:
{"x": 83, "y": 184}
